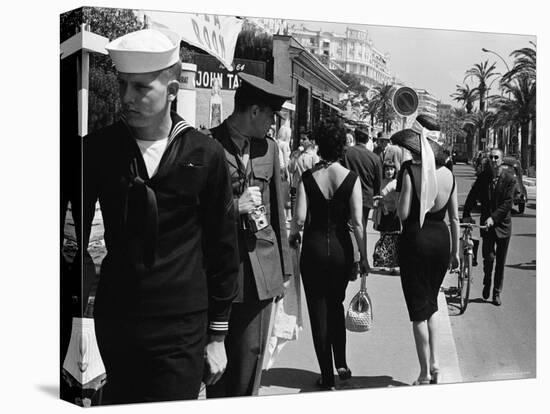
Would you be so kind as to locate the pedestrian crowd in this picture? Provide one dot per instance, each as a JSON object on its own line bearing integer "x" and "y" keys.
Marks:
{"x": 196, "y": 229}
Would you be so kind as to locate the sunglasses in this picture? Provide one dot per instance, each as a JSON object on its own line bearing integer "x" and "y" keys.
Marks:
{"x": 494, "y": 157}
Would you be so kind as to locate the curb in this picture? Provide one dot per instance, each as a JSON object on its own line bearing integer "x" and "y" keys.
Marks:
{"x": 530, "y": 182}
{"x": 448, "y": 355}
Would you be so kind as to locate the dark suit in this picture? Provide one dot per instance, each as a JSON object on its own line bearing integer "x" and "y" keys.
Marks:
{"x": 368, "y": 167}
{"x": 496, "y": 200}
{"x": 264, "y": 261}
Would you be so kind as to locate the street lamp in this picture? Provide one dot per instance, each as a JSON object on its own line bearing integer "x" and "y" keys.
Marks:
{"x": 501, "y": 58}
{"x": 508, "y": 69}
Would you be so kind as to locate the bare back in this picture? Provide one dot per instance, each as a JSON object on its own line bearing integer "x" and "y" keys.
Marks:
{"x": 330, "y": 178}
{"x": 444, "y": 185}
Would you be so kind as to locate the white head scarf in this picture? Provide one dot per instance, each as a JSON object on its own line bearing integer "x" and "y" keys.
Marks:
{"x": 428, "y": 183}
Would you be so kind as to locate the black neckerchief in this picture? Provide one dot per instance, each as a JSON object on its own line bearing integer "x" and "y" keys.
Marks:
{"x": 140, "y": 215}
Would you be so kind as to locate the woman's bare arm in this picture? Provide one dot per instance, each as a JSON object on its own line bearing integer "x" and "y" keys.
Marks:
{"x": 404, "y": 203}
{"x": 356, "y": 209}
{"x": 299, "y": 216}
{"x": 452, "y": 210}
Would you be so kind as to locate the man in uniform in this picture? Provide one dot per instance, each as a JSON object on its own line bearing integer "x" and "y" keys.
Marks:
{"x": 169, "y": 278}
{"x": 265, "y": 261}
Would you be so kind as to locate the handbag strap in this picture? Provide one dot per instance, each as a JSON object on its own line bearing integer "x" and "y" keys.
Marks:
{"x": 363, "y": 282}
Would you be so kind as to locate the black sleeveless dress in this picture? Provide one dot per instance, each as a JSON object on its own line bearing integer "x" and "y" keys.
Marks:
{"x": 424, "y": 255}
{"x": 325, "y": 265}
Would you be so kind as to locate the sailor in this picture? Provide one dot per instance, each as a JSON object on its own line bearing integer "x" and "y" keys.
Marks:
{"x": 169, "y": 277}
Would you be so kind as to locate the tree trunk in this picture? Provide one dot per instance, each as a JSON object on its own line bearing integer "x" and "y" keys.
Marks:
{"x": 525, "y": 145}
{"x": 533, "y": 160}
{"x": 470, "y": 144}
{"x": 481, "y": 100}
{"x": 481, "y": 138}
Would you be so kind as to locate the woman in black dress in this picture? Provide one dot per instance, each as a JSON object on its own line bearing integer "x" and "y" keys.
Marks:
{"x": 425, "y": 248}
{"x": 328, "y": 196}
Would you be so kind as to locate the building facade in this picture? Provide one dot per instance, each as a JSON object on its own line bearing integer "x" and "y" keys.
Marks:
{"x": 445, "y": 121}
{"x": 272, "y": 26}
{"x": 352, "y": 52}
{"x": 316, "y": 89}
{"x": 427, "y": 103}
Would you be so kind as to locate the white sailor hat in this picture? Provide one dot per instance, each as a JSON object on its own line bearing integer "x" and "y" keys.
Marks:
{"x": 144, "y": 51}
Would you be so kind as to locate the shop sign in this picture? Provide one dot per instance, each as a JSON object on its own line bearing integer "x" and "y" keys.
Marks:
{"x": 209, "y": 69}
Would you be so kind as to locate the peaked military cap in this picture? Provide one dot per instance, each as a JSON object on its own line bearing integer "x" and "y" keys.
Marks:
{"x": 263, "y": 91}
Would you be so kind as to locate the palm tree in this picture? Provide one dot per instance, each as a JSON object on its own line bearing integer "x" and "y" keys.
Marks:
{"x": 382, "y": 101}
{"x": 371, "y": 110}
{"x": 479, "y": 121}
{"x": 525, "y": 64}
{"x": 482, "y": 72}
{"x": 456, "y": 128}
{"x": 523, "y": 78}
{"x": 519, "y": 108}
{"x": 467, "y": 96}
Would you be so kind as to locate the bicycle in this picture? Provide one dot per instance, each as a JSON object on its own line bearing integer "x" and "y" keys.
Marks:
{"x": 468, "y": 248}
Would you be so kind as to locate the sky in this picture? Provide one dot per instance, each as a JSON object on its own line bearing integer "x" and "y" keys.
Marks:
{"x": 435, "y": 60}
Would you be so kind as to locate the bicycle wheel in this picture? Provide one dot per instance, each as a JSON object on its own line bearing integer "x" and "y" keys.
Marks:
{"x": 464, "y": 281}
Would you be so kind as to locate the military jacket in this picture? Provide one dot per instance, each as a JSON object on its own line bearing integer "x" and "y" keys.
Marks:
{"x": 265, "y": 255}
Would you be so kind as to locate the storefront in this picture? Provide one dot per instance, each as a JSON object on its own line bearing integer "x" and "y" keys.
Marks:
{"x": 215, "y": 87}
{"x": 316, "y": 89}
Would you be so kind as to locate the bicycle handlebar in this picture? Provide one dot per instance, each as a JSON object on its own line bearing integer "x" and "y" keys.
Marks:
{"x": 470, "y": 225}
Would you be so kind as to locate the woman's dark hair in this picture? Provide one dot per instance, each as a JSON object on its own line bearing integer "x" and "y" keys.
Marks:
{"x": 389, "y": 164}
{"x": 330, "y": 135}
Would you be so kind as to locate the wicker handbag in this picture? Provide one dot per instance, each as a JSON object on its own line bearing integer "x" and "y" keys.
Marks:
{"x": 359, "y": 315}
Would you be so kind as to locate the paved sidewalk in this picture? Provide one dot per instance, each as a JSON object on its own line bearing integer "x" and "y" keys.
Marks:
{"x": 529, "y": 181}
{"x": 383, "y": 357}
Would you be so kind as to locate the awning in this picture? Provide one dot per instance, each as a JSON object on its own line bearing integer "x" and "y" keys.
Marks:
{"x": 329, "y": 104}
{"x": 338, "y": 110}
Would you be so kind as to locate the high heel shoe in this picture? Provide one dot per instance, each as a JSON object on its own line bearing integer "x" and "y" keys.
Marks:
{"x": 423, "y": 381}
{"x": 321, "y": 384}
{"x": 344, "y": 373}
{"x": 436, "y": 376}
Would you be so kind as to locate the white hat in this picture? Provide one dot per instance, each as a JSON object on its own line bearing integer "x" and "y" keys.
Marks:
{"x": 145, "y": 51}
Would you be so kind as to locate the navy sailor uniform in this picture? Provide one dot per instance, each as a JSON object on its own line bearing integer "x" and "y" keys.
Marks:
{"x": 170, "y": 273}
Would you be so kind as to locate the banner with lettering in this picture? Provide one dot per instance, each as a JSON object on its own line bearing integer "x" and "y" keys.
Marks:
{"x": 216, "y": 35}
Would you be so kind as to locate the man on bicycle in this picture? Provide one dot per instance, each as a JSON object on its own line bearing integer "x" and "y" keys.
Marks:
{"x": 494, "y": 189}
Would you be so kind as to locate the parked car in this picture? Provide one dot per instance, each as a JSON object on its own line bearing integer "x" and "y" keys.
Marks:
{"x": 459, "y": 155}
{"x": 513, "y": 166}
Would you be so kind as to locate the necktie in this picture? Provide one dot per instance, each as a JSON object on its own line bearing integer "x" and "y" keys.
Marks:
{"x": 492, "y": 188}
